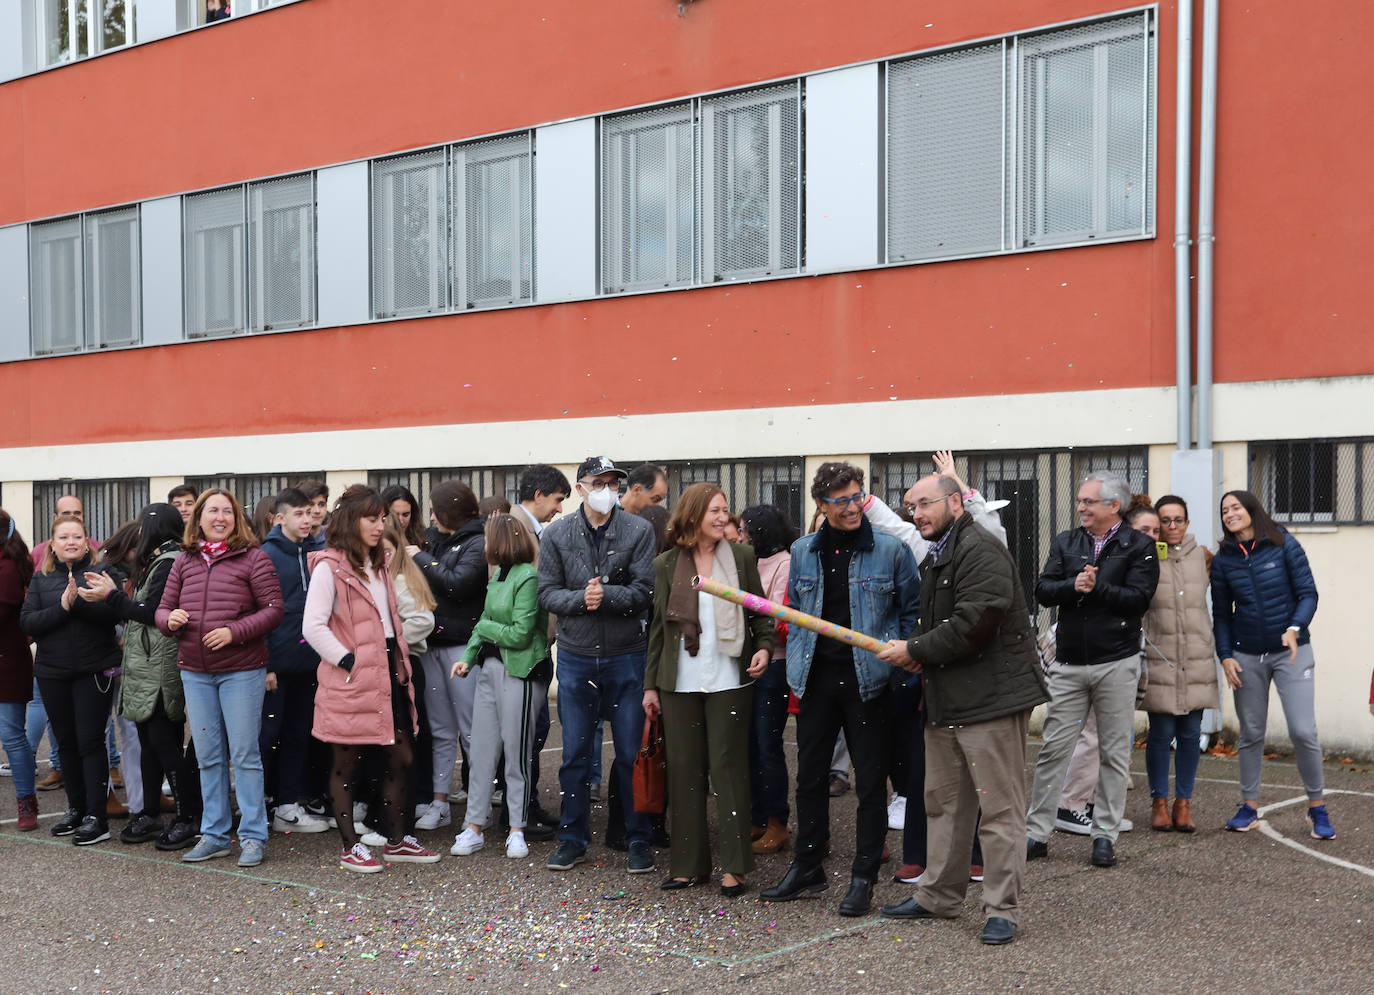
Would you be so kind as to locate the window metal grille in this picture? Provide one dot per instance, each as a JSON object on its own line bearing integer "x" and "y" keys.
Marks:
{"x": 55, "y": 283}
{"x": 1086, "y": 102}
{"x": 106, "y": 504}
{"x": 409, "y": 235}
{"x": 281, "y": 217}
{"x": 745, "y": 482}
{"x": 113, "y": 294}
{"x": 215, "y": 262}
{"x": 484, "y": 481}
{"x": 750, "y": 178}
{"x": 493, "y": 222}
{"x": 947, "y": 167}
{"x": 1315, "y": 481}
{"x": 249, "y": 489}
{"x": 647, "y": 224}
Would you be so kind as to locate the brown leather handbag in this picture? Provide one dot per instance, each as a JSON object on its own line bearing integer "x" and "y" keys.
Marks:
{"x": 651, "y": 770}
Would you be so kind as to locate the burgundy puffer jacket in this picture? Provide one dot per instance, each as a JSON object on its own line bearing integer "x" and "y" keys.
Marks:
{"x": 239, "y": 591}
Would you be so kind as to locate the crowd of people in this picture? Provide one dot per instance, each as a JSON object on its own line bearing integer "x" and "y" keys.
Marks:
{"x": 341, "y": 666}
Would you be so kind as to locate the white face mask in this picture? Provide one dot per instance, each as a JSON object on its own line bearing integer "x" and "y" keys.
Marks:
{"x": 601, "y": 501}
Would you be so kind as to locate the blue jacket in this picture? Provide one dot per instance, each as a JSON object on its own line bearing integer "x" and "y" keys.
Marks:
{"x": 884, "y": 602}
{"x": 287, "y": 650}
{"x": 1257, "y": 595}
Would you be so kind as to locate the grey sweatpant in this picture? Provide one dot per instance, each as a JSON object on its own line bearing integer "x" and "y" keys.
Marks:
{"x": 1296, "y": 693}
{"x": 448, "y": 704}
{"x": 503, "y": 713}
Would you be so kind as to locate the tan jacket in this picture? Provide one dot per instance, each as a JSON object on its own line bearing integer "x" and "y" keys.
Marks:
{"x": 1179, "y": 651}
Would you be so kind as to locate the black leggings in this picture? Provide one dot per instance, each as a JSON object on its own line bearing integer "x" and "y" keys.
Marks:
{"x": 78, "y": 708}
{"x": 349, "y": 767}
{"x": 164, "y": 754}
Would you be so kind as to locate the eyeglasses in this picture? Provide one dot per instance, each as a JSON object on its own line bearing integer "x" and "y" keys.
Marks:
{"x": 1085, "y": 502}
{"x": 924, "y": 503}
{"x": 847, "y": 500}
{"x": 1173, "y": 521}
{"x": 601, "y": 485}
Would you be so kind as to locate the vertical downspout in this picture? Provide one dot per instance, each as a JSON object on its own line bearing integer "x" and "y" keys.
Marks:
{"x": 1206, "y": 236}
{"x": 1183, "y": 196}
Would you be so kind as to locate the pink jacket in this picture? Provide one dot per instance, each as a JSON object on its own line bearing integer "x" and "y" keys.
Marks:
{"x": 356, "y": 707}
{"x": 239, "y": 591}
{"x": 773, "y": 573}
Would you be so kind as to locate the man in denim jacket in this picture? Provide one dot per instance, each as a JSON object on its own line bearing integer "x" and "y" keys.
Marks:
{"x": 845, "y": 573}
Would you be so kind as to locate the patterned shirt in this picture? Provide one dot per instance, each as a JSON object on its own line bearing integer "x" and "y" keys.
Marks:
{"x": 1099, "y": 543}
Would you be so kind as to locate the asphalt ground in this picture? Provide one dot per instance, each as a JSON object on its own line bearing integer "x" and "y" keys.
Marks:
{"x": 1269, "y": 910}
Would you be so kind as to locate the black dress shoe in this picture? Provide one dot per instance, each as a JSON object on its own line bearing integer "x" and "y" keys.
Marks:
{"x": 998, "y": 931}
{"x": 734, "y": 890}
{"x": 1035, "y": 850}
{"x": 796, "y": 883}
{"x": 1104, "y": 854}
{"x": 677, "y": 884}
{"x": 858, "y": 899}
{"x": 910, "y": 909}
{"x": 537, "y": 832}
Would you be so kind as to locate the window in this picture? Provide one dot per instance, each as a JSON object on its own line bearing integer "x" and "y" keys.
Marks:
{"x": 745, "y": 482}
{"x": 84, "y": 282}
{"x": 249, "y": 489}
{"x": 76, "y": 29}
{"x": 647, "y": 226}
{"x": 484, "y": 481}
{"x": 105, "y": 504}
{"x": 250, "y": 266}
{"x": 493, "y": 223}
{"x": 409, "y": 225}
{"x": 1328, "y": 481}
{"x": 751, "y": 183}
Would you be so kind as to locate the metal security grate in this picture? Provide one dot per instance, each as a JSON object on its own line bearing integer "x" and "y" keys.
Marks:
{"x": 493, "y": 222}
{"x": 946, "y": 164}
{"x": 1316, "y": 481}
{"x": 484, "y": 481}
{"x": 249, "y": 489}
{"x": 750, "y": 179}
{"x": 409, "y": 235}
{"x": 55, "y": 283}
{"x": 214, "y": 248}
{"x": 281, "y": 252}
{"x": 113, "y": 294}
{"x": 647, "y": 225}
{"x": 745, "y": 482}
{"x": 1085, "y": 128}
{"x": 106, "y": 504}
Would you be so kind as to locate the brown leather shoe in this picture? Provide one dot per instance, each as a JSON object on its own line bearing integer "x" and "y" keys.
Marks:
{"x": 755, "y": 832}
{"x": 116, "y": 778}
{"x": 775, "y": 837}
{"x": 50, "y": 783}
{"x": 114, "y": 808}
{"x": 1183, "y": 819}
{"x": 1159, "y": 816}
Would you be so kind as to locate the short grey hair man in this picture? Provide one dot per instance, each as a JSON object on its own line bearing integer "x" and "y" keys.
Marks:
{"x": 1114, "y": 486}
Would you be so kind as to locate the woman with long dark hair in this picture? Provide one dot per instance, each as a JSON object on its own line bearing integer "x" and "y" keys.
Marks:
{"x": 1263, "y": 600}
{"x": 16, "y": 669}
{"x": 150, "y": 689}
{"x": 404, "y": 510}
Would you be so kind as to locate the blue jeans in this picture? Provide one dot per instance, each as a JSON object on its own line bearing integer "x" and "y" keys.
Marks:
{"x": 591, "y": 688}
{"x": 17, "y": 746}
{"x": 1186, "y": 733}
{"x": 36, "y": 721}
{"x": 767, "y": 764}
{"x": 228, "y": 707}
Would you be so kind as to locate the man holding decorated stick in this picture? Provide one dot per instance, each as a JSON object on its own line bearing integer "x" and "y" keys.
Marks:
{"x": 851, "y": 576}
{"x": 976, "y": 651}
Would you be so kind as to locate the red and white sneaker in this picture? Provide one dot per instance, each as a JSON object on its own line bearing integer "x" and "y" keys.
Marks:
{"x": 408, "y": 851}
{"x": 360, "y": 859}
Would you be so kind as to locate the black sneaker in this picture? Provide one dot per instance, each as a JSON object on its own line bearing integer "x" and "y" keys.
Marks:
{"x": 641, "y": 858}
{"x": 178, "y": 836}
{"x": 566, "y": 857}
{"x": 141, "y": 829}
{"x": 68, "y": 824}
{"x": 92, "y": 830}
{"x": 1066, "y": 820}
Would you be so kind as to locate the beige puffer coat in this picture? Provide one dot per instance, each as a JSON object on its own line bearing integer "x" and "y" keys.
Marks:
{"x": 1179, "y": 651}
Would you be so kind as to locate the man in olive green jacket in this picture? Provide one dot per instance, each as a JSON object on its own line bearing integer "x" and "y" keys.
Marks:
{"x": 975, "y": 649}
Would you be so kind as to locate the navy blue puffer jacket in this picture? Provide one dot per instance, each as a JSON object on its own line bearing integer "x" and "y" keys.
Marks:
{"x": 1258, "y": 591}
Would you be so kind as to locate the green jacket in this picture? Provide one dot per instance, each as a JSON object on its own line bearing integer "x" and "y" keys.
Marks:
{"x": 660, "y": 670}
{"x": 150, "y": 658}
{"x": 513, "y": 622}
{"x": 975, "y": 641}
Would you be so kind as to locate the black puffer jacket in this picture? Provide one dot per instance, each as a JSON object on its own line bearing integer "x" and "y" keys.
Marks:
{"x": 71, "y": 642}
{"x": 975, "y": 643}
{"x": 1103, "y": 624}
{"x": 569, "y": 556}
{"x": 456, "y": 568}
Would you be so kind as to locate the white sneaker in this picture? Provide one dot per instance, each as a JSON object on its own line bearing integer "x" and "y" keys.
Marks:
{"x": 295, "y": 819}
{"x": 467, "y": 842}
{"x": 1126, "y": 825}
{"x": 432, "y": 815}
{"x": 458, "y": 797}
{"x": 6, "y": 771}
{"x": 372, "y": 838}
{"x": 896, "y": 813}
{"x": 516, "y": 847}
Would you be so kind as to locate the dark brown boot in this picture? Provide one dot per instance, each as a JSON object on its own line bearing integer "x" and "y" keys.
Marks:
{"x": 1183, "y": 819}
{"x": 1159, "y": 816}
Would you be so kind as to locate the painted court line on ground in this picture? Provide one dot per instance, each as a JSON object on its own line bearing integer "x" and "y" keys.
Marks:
{"x": 1278, "y": 837}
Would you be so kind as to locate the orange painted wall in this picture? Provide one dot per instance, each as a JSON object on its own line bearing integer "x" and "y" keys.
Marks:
{"x": 330, "y": 80}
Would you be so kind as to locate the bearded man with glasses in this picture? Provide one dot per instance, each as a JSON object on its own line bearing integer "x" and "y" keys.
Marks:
{"x": 847, "y": 573}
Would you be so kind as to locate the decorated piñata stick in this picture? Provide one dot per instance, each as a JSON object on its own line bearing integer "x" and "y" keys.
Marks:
{"x": 762, "y": 606}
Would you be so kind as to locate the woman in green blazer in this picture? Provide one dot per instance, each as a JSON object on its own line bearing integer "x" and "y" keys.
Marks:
{"x": 704, "y": 654}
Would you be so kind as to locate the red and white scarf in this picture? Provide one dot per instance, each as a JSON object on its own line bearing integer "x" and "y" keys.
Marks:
{"x": 212, "y": 551}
